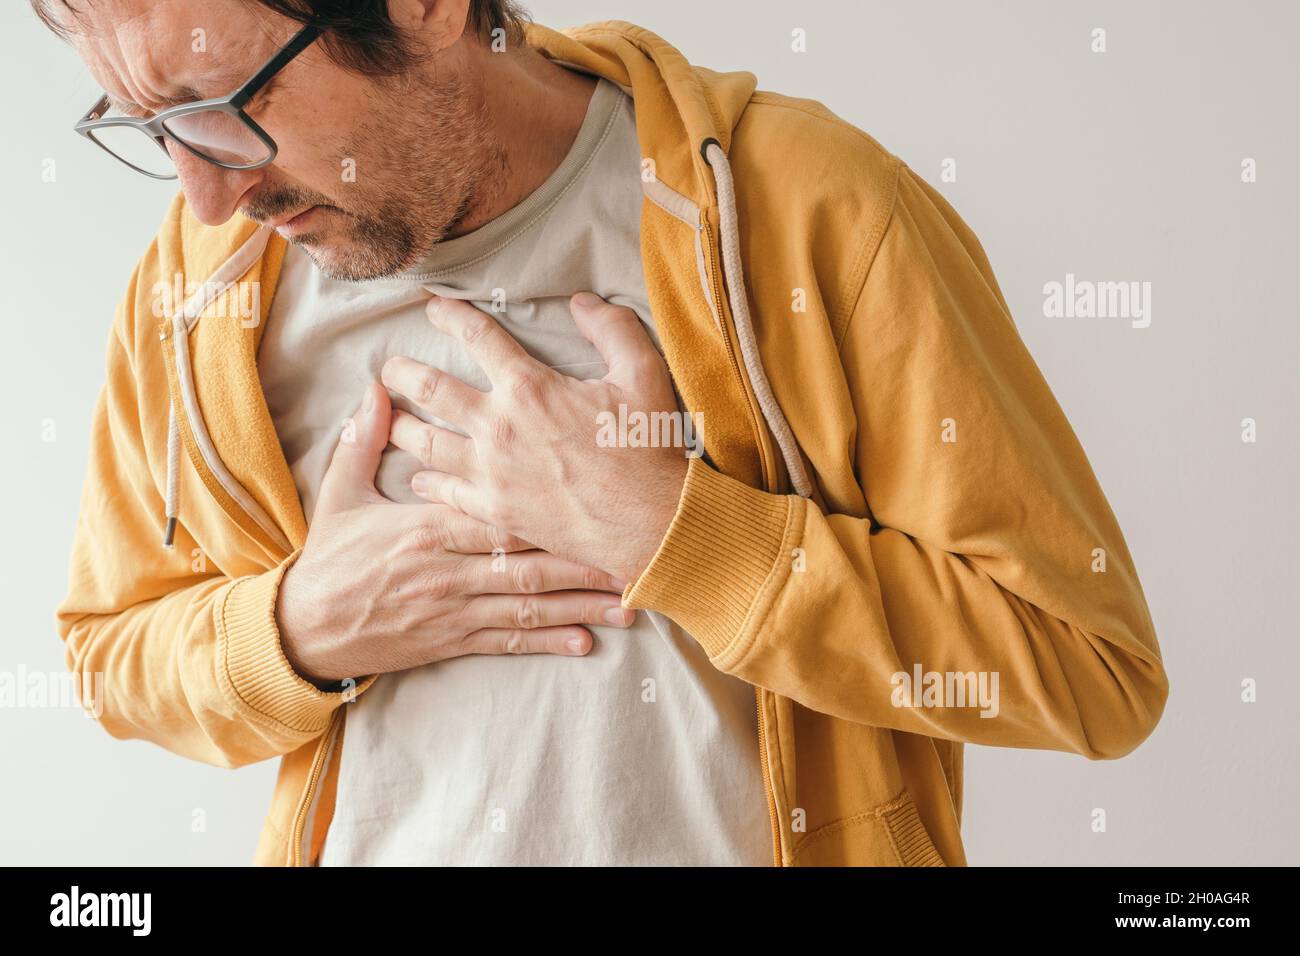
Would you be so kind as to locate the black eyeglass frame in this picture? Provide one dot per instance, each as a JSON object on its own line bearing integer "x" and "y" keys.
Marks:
{"x": 155, "y": 126}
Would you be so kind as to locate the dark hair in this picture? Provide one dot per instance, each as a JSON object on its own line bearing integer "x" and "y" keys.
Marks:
{"x": 359, "y": 34}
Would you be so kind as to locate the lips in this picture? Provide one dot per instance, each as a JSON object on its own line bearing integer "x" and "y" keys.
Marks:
{"x": 296, "y": 224}
{"x": 279, "y": 221}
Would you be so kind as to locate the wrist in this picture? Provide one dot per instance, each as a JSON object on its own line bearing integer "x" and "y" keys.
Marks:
{"x": 660, "y": 508}
{"x": 291, "y": 627}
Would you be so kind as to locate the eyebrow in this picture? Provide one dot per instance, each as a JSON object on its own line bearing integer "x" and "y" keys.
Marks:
{"x": 180, "y": 97}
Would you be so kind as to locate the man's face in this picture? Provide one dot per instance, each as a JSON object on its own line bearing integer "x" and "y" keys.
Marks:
{"x": 369, "y": 173}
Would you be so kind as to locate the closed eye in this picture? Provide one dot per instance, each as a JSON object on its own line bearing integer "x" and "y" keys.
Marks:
{"x": 128, "y": 108}
{"x": 118, "y": 107}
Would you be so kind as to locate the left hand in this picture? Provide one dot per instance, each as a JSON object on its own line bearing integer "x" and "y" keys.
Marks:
{"x": 532, "y": 464}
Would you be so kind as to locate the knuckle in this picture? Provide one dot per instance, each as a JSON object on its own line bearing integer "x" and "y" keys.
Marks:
{"x": 464, "y": 643}
{"x": 442, "y": 580}
{"x": 436, "y": 584}
{"x": 504, "y": 540}
{"x": 526, "y": 577}
{"x": 526, "y": 387}
{"x": 428, "y": 440}
{"x": 516, "y": 642}
{"x": 426, "y": 536}
{"x": 528, "y": 614}
{"x": 499, "y": 513}
{"x": 503, "y": 431}
{"x": 475, "y": 327}
{"x": 428, "y": 384}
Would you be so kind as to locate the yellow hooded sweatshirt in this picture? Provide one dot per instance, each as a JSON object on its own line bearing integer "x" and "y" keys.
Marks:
{"x": 892, "y": 490}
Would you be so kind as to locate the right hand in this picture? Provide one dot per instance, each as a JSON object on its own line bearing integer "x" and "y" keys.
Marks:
{"x": 381, "y": 586}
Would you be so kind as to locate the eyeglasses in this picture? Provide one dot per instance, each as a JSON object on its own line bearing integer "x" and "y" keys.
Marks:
{"x": 217, "y": 130}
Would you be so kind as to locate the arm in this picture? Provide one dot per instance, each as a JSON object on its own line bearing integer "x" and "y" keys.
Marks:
{"x": 191, "y": 660}
{"x": 981, "y": 554}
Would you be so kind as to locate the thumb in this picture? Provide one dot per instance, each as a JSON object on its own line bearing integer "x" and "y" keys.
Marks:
{"x": 619, "y": 337}
{"x": 350, "y": 477}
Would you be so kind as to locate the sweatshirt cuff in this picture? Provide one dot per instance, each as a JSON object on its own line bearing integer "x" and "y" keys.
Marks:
{"x": 716, "y": 564}
{"x": 259, "y": 673}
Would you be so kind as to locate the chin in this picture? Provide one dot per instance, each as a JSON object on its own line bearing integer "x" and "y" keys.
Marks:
{"x": 345, "y": 260}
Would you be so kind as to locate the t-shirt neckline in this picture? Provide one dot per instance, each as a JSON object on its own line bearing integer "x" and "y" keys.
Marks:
{"x": 452, "y": 254}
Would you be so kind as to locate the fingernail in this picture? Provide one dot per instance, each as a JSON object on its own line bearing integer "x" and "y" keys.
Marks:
{"x": 619, "y": 616}
{"x": 574, "y": 644}
{"x": 368, "y": 402}
{"x": 435, "y": 303}
{"x": 420, "y": 483}
{"x": 587, "y": 300}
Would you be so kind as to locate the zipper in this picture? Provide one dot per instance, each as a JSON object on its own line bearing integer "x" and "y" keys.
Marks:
{"x": 721, "y": 304}
{"x": 166, "y": 333}
{"x": 714, "y": 276}
{"x": 304, "y": 807}
{"x": 767, "y": 780}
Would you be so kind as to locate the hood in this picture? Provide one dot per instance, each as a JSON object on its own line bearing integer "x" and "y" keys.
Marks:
{"x": 680, "y": 108}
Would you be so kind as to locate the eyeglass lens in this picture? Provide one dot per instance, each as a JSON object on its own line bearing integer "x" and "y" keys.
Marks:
{"x": 215, "y": 134}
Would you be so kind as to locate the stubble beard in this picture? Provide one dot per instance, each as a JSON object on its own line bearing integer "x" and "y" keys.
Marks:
{"x": 419, "y": 172}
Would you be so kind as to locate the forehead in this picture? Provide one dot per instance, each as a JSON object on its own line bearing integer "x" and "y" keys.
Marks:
{"x": 151, "y": 52}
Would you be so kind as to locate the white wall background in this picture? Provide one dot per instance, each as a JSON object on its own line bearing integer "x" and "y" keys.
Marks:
{"x": 1116, "y": 166}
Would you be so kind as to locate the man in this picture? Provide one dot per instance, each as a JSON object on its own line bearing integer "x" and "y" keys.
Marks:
{"x": 797, "y": 428}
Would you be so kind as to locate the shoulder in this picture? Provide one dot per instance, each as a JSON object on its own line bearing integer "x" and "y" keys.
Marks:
{"x": 809, "y": 181}
{"x": 813, "y": 137}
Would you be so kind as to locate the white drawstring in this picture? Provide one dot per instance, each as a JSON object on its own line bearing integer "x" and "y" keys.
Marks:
{"x": 173, "y": 474}
{"x": 185, "y": 402}
{"x": 731, "y": 265}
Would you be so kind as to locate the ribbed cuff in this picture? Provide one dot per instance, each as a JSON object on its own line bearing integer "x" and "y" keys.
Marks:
{"x": 720, "y": 551}
{"x": 911, "y": 841}
{"x": 261, "y": 675}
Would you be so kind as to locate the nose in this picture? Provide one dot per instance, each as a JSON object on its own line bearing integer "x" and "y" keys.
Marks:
{"x": 211, "y": 191}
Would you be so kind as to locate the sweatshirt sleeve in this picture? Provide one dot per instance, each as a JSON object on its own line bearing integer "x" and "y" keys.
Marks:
{"x": 989, "y": 551}
{"x": 174, "y": 652}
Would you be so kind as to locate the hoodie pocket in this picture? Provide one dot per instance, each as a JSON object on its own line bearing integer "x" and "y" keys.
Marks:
{"x": 889, "y": 834}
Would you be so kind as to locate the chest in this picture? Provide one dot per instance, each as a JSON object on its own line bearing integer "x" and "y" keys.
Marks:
{"x": 326, "y": 340}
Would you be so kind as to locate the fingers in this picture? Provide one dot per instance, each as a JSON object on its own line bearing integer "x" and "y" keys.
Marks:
{"x": 530, "y": 611}
{"x": 489, "y": 345}
{"x": 534, "y": 572}
{"x": 569, "y": 641}
{"x": 434, "y": 447}
{"x": 462, "y": 534}
{"x": 619, "y": 337}
{"x": 441, "y": 395}
{"x": 351, "y": 474}
{"x": 452, "y": 490}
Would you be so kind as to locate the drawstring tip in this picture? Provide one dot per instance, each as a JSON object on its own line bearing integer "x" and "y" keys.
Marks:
{"x": 169, "y": 536}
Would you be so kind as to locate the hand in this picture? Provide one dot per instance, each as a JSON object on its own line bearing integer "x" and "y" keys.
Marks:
{"x": 382, "y": 586}
{"x": 538, "y": 461}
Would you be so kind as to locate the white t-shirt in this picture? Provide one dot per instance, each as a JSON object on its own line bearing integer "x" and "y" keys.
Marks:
{"x": 640, "y": 752}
